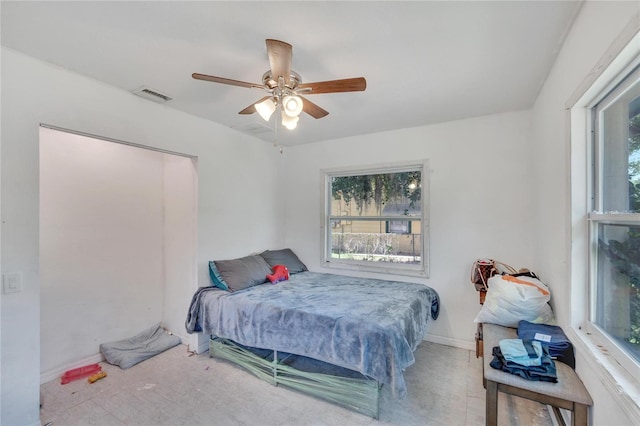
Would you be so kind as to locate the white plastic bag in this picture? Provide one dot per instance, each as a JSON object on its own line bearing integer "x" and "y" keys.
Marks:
{"x": 511, "y": 299}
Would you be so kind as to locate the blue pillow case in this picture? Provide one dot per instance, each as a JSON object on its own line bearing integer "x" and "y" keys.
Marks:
{"x": 216, "y": 277}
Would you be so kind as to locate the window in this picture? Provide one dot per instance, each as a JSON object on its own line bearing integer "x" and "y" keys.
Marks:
{"x": 614, "y": 219}
{"x": 399, "y": 226}
{"x": 605, "y": 222}
{"x": 374, "y": 219}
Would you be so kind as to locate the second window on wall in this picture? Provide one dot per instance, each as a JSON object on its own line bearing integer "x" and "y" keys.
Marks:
{"x": 615, "y": 220}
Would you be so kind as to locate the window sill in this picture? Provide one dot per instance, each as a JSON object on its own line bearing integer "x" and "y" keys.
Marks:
{"x": 619, "y": 383}
{"x": 387, "y": 270}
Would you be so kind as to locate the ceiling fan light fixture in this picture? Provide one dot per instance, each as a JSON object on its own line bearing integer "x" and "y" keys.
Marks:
{"x": 283, "y": 85}
{"x": 289, "y": 122}
{"x": 266, "y": 108}
{"x": 292, "y": 105}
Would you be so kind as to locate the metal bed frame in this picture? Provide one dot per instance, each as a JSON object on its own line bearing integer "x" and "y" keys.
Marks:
{"x": 338, "y": 385}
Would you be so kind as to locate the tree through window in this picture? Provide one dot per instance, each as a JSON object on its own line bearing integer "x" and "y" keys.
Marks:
{"x": 615, "y": 219}
{"x": 375, "y": 219}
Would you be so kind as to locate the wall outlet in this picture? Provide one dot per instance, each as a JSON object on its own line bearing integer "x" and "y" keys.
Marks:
{"x": 11, "y": 283}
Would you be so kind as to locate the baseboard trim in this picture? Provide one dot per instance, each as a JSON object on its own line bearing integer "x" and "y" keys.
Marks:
{"x": 448, "y": 341}
{"x": 54, "y": 373}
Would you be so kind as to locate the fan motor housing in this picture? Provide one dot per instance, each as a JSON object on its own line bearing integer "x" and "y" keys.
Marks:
{"x": 271, "y": 83}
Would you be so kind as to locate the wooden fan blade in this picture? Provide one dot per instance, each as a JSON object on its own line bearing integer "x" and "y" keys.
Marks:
{"x": 252, "y": 108}
{"x": 312, "y": 109}
{"x": 280, "y": 54}
{"x": 249, "y": 110}
{"x": 357, "y": 84}
{"x": 223, "y": 80}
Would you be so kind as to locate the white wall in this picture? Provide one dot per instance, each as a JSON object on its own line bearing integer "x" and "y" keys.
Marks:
{"x": 479, "y": 206}
{"x": 180, "y": 239}
{"x": 595, "y": 29}
{"x": 34, "y": 92}
{"x": 117, "y": 245}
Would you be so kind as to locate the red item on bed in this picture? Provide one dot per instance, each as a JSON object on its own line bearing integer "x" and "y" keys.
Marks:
{"x": 280, "y": 273}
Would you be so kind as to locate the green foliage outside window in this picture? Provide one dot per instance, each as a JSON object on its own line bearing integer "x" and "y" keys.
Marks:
{"x": 625, "y": 255}
{"x": 633, "y": 242}
{"x": 401, "y": 192}
{"x": 362, "y": 190}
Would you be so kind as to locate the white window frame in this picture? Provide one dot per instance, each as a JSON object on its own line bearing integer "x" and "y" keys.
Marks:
{"x": 420, "y": 270}
{"x": 616, "y": 370}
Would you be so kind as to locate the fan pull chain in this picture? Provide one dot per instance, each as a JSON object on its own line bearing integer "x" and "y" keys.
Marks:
{"x": 275, "y": 142}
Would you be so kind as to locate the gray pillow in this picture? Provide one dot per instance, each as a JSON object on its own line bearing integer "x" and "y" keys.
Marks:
{"x": 244, "y": 272}
{"x": 284, "y": 257}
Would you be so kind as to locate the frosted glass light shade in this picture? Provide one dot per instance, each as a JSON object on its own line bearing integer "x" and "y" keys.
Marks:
{"x": 289, "y": 122}
{"x": 292, "y": 105}
{"x": 266, "y": 108}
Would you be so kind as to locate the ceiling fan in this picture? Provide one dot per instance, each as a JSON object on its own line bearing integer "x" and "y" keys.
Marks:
{"x": 285, "y": 87}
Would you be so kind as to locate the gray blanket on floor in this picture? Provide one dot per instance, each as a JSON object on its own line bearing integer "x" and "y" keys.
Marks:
{"x": 144, "y": 345}
{"x": 367, "y": 325}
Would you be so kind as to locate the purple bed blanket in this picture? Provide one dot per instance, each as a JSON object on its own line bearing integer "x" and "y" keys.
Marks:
{"x": 367, "y": 325}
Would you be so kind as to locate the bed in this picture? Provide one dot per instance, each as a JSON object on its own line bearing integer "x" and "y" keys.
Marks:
{"x": 316, "y": 331}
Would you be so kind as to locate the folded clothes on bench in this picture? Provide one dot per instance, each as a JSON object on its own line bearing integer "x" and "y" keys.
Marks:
{"x": 551, "y": 336}
{"x": 545, "y": 372}
{"x": 523, "y": 352}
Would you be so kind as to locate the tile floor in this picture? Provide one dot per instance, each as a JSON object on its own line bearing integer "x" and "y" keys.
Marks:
{"x": 174, "y": 388}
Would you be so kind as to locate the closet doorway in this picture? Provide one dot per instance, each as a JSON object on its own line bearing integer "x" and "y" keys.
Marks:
{"x": 117, "y": 244}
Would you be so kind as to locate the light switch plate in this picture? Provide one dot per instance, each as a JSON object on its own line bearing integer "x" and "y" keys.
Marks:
{"x": 11, "y": 283}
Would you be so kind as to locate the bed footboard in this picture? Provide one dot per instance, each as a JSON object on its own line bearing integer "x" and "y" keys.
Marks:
{"x": 335, "y": 384}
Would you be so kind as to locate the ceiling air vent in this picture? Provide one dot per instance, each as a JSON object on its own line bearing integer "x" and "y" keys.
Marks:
{"x": 151, "y": 94}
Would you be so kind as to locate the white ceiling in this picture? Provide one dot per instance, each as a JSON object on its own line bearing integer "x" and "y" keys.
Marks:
{"x": 425, "y": 62}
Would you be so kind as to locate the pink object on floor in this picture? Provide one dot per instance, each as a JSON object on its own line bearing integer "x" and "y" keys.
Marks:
{"x": 79, "y": 373}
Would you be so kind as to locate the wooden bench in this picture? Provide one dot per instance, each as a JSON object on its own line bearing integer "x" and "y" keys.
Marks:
{"x": 569, "y": 393}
